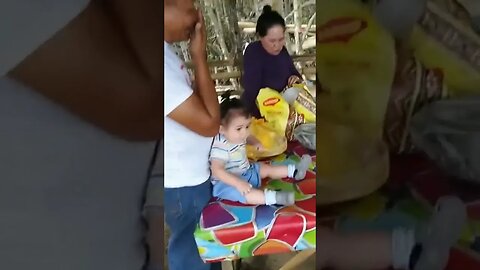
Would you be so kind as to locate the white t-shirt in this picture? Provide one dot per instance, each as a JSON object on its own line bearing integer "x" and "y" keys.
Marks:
{"x": 186, "y": 152}
{"x": 71, "y": 195}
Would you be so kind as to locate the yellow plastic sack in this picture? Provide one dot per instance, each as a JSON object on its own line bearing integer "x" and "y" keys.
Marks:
{"x": 274, "y": 109}
{"x": 355, "y": 67}
{"x": 441, "y": 41}
{"x": 273, "y": 143}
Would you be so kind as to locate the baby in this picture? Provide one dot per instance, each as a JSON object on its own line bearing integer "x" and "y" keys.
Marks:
{"x": 425, "y": 247}
{"x": 233, "y": 176}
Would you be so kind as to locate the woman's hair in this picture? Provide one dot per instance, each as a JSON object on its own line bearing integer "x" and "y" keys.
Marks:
{"x": 268, "y": 19}
{"x": 231, "y": 107}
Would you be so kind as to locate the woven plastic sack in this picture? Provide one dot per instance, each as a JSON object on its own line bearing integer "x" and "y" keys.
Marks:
{"x": 442, "y": 41}
{"x": 304, "y": 102}
{"x": 295, "y": 119}
{"x": 273, "y": 143}
{"x": 303, "y": 108}
{"x": 417, "y": 87}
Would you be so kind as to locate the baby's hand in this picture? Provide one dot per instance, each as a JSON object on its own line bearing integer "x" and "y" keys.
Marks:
{"x": 253, "y": 141}
{"x": 259, "y": 147}
{"x": 244, "y": 187}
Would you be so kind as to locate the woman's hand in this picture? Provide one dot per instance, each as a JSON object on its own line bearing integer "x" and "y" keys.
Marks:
{"x": 243, "y": 187}
{"x": 198, "y": 40}
{"x": 293, "y": 80}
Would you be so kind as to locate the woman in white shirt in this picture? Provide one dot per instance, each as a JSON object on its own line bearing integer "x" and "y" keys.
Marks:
{"x": 192, "y": 118}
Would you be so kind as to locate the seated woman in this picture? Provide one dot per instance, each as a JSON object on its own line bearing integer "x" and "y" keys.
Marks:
{"x": 267, "y": 62}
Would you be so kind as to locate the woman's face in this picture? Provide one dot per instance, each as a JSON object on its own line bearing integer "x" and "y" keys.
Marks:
{"x": 274, "y": 41}
{"x": 180, "y": 20}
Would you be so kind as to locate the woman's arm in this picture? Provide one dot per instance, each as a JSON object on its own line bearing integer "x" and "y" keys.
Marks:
{"x": 90, "y": 69}
{"x": 251, "y": 80}
{"x": 201, "y": 111}
{"x": 142, "y": 26}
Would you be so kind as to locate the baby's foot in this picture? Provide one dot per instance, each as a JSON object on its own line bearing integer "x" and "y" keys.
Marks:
{"x": 442, "y": 232}
{"x": 302, "y": 167}
{"x": 284, "y": 198}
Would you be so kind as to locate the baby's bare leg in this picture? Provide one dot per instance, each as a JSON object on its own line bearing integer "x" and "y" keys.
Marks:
{"x": 255, "y": 196}
{"x": 353, "y": 251}
{"x": 399, "y": 248}
{"x": 297, "y": 171}
{"x": 270, "y": 171}
{"x": 269, "y": 197}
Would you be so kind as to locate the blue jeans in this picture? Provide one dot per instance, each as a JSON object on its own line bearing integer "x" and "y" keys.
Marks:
{"x": 183, "y": 207}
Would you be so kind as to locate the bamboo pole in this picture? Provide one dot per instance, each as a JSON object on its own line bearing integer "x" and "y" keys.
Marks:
{"x": 309, "y": 25}
{"x": 237, "y": 62}
{"x": 244, "y": 24}
{"x": 226, "y": 75}
{"x": 296, "y": 19}
{"x": 217, "y": 26}
{"x": 312, "y": 29}
{"x": 307, "y": 71}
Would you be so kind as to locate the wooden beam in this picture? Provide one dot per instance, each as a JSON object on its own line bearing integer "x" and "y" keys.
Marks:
{"x": 297, "y": 260}
{"x": 234, "y": 92}
{"x": 309, "y": 71}
{"x": 236, "y": 62}
{"x": 226, "y": 265}
{"x": 226, "y": 75}
{"x": 251, "y": 30}
{"x": 253, "y": 25}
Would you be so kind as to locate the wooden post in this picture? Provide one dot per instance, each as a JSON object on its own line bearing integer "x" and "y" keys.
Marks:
{"x": 298, "y": 259}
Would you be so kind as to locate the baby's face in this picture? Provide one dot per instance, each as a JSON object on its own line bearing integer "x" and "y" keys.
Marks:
{"x": 238, "y": 130}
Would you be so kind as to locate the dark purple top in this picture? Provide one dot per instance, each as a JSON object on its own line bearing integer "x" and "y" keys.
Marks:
{"x": 261, "y": 70}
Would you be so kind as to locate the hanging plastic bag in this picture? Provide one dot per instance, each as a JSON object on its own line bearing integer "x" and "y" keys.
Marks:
{"x": 273, "y": 143}
{"x": 306, "y": 135}
{"x": 449, "y": 132}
